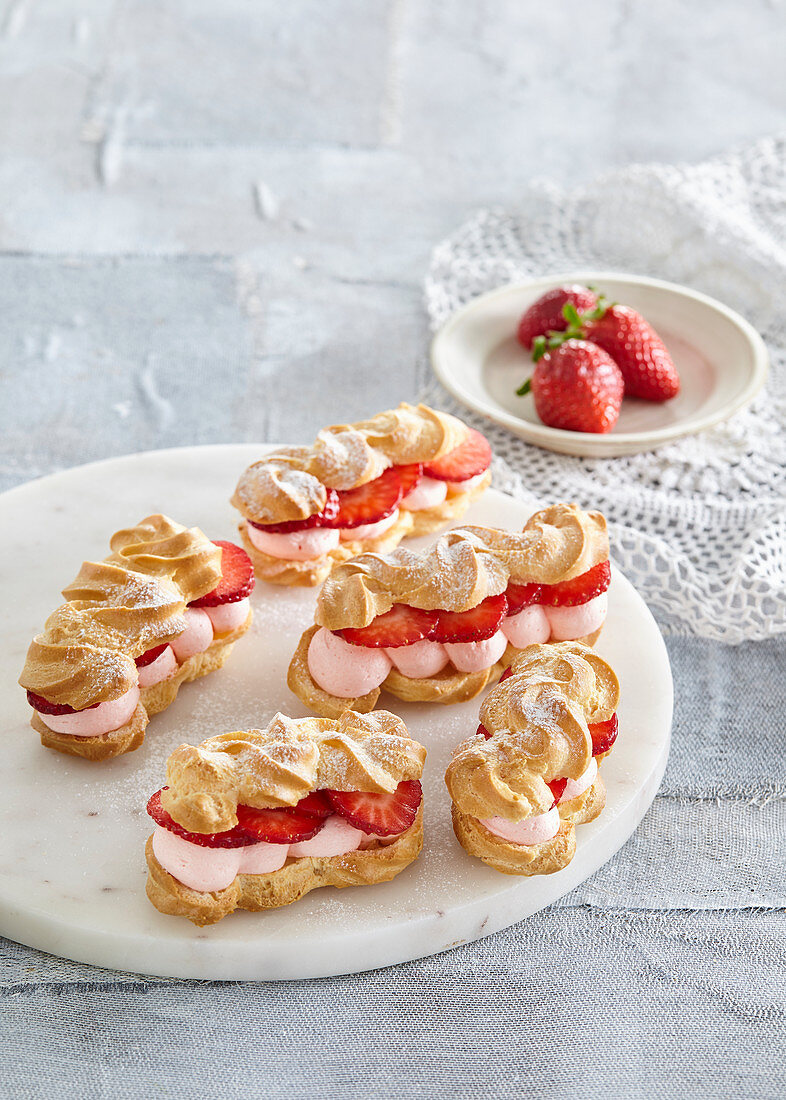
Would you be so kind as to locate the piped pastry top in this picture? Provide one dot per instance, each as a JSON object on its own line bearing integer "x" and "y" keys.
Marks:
{"x": 291, "y": 483}
{"x": 279, "y": 765}
{"x": 537, "y": 721}
{"x": 464, "y": 566}
{"x": 118, "y": 609}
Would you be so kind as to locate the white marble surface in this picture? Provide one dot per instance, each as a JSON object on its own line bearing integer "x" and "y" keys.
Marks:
{"x": 72, "y": 870}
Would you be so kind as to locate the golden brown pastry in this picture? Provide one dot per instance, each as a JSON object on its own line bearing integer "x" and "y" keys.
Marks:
{"x": 255, "y": 819}
{"x": 441, "y": 625}
{"x": 360, "y": 487}
{"x": 529, "y": 775}
{"x": 164, "y": 608}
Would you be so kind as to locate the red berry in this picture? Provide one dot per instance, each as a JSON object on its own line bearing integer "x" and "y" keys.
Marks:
{"x": 577, "y": 387}
{"x": 288, "y": 825}
{"x": 316, "y": 803}
{"x": 150, "y": 655}
{"x": 646, "y": 365}
{"x": 470, "y": 458}
{"x": 402, "y": 625}
{"x": 382, "y": 814}
{"x": 557, "y": 788}
{"x": 237, "y": 577}
{"x": 475, "y": 625}
{"x": 520, "y": 596}
{"x": 580, "y": 590}
{"x": 409, "y": 476}
{"x": 43, "y": 706}
{"x": 319, "y": 519}
{"x": 232, "y": 838}
{"x": 604, "y": 734}
{"x": 545, "y": 315}
{"x": 369, "y": 503}
{"x": 481, "y": 731}
{"x": 506, "y": 674}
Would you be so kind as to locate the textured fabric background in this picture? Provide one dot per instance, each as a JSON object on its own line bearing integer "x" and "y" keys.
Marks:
{"x": 215, "y": 221}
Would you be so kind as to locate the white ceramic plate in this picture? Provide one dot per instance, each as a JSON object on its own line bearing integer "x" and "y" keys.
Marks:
{"x": 72, "y": 869}
{"x": 721, "y": 359}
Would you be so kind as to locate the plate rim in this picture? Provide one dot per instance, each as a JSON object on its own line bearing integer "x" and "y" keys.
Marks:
{"x": 582, "y": 443}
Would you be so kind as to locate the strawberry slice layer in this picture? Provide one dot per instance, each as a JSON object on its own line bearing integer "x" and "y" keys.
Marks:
{"x": 506, "y": 674}
{"x": 232, "y": 838}
{"x": 409, "y": 476}
{"x": 604, "y": 734}
{"x": 237, "y": 577}
{"x": 150, "y": 655}
{"x": 381, "y": 814}
{"x": 288, "y": 825}
{"x": 43, "y": 706}
{"x": 475, "y": 625}
{"x": 316, "y": 803}
{"x": 565, "y": 594}
{"x": 319, "y": 519}
{"x": 557, "y": 788}
{"x": 402, "y": 625}
{"x": 470, "y": 458}
{"x": 481, "y": 731}
{"x": 368, "y": 503}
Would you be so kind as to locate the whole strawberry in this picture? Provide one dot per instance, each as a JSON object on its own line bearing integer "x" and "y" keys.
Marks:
{"x": 576, "y": 386}
{"x": 638, "y": 351}
{"x": 546, "y": 314}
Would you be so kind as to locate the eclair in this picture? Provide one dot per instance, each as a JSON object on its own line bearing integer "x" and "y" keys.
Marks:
{"x": 360, "y": 487}
{"x": 529, "y": 775}
{"x": 442, "y": 625}
{"x": 256, "y": 819}
{"x": 165, "y": 607}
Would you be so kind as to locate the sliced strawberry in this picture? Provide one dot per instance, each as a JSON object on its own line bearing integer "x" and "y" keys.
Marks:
{"x": 470, "y": 458}
{"x": 520, "y": 596}
{"x": 506, "y": 674}
{"x": 288, "y": 825}
{"x": 237, "y": 577}
{"x": 316, "y": 803}
{"x": 232, "y": 838}
{"x": 402, "y": 625}
{"x": 557, "y": 788}
{"x": 382, "y": 814}
{"x": 43, "y": 706}
{"x": 150, "y": 655}
{"x": 368, "y": 503}
{"x": 604, "y": 734}
{"x": 481, "y": 731}
{"x": 409, "y": 476}
{"x": 475, "y": 625}
{"x": 580, "y": 590}
{"x": 319, "y": 519}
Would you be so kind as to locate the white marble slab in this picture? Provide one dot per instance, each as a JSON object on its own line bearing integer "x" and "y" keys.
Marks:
{"x": 72, "y": 871}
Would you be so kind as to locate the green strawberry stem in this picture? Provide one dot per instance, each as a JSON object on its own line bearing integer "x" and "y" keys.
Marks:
{"x": 524, "y": 388}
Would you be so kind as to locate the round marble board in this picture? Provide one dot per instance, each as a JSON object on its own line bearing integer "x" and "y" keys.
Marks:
{"x": 72, "y": 869}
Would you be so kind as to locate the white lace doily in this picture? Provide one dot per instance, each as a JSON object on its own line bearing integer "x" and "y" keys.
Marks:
{"x": 700, "y": 525}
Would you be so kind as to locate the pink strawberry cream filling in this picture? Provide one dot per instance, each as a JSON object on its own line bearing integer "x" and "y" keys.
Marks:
{"x": 369, "y": 530}
{"x": 164, "y": 666}
{"x": 575, "y": 787}
{"x": 196, "y": 637}
{"x": 305, "y": 545}
{"x": 208, "y": 869}
{"x": 428, "y": 493}
{"x": 476, "y": 656}
{"x": 468, "y": 485}
{"x": 226, "y": 617}
{"x": 345, "y": 670}
{"x": 95, "y": 721}
{"x": 420, "y": 659}
{"x": 532, "y": 830}
{"x": 576, "y": 622}
{"x": 526, "y": 627}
